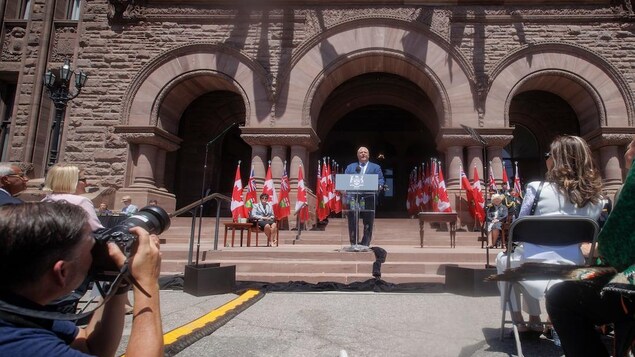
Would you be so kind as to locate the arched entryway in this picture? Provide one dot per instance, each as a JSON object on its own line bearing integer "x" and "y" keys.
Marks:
{"x": 204, "y": 120}
{"x": 391, "y": 116}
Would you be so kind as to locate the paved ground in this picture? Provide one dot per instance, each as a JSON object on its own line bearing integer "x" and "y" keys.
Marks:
{"x": 361, "y": 323}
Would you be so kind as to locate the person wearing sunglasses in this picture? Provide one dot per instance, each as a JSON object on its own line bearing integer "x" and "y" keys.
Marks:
{"x": 12, "y": 182}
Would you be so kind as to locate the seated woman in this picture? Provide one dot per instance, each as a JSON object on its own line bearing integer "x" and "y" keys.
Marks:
{"x": 263, "y": 213}
{"x": 496, "y": 215}
{"x": 573, "y": 186}
{"x": 576, "y": 307}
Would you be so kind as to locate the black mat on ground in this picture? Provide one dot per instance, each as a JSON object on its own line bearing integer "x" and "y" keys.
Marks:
{"x": 171, "y": 282}
{"x": 376, "y": 285}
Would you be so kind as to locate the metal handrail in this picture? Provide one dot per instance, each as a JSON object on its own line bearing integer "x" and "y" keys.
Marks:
{"x": 197, "y": 203}
{"x": 198, "y": 206}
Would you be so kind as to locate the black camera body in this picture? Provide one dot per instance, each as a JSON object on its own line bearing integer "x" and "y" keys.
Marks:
{"x": 153, "y": 219}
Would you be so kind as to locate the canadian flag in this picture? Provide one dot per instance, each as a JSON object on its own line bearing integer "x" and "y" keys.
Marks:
{"x": 301, "y": 206}
{"x": 237, "y": 205}
{"x": 285, "y": 204}
{"x": 478, "y": 192}
{"x": 443, "y": 202}
{"x": 321, "y": 209}
{"x": 271, "y": 191}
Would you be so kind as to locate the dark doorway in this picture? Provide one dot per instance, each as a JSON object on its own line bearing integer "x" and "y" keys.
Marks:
{"x": 538, "y": 117}
{"x": 396, "y": 139}
{"x": 203, "y": 120}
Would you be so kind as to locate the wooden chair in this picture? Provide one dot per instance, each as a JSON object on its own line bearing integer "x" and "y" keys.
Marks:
{"x": 255, "y": 229}
{"x": 556, "y": 230}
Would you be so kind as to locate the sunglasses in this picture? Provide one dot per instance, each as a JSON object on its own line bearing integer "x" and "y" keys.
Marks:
{"x": 547, "y": 155}
{"x": 83, "y": 179}
{"x": 20, "y": 175}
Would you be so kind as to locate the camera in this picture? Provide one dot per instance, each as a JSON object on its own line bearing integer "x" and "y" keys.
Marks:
{"x": 153, "y": 219}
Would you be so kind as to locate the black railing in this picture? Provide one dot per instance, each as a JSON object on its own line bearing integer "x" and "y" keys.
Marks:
{"x": 196, "y": 208}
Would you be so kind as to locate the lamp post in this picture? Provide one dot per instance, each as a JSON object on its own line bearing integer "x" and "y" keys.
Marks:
{"x": 59, "y": 91}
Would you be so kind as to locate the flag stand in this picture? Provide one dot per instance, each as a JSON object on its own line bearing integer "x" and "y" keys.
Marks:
{"x": 476, "y": 136}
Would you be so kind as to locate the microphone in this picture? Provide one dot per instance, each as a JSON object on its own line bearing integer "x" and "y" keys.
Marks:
{"x": 358, "y": 169}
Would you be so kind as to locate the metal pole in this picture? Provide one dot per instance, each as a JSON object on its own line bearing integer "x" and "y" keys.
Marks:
{"x": 56, "y": 132}
{"x": 191, "y": 249}
{"x": 218, "y": 203}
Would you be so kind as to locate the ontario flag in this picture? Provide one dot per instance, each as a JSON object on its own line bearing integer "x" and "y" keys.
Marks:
{"x": 505, "y": 184}
{"x": 237, "y": 205}
{"x": 284, "y": 205}
{"x": 271, "y": 191}
{"x": 301, "y": 206}
{"x": 478, "y": 192}
{"x": 476, "y": 210}
{"x": 252, "y": 194}
{"x": 517, "y": 185}
{"x": 441, "y": 199}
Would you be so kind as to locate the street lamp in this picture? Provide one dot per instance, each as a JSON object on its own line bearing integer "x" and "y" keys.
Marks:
{"x": 60, "y": 94}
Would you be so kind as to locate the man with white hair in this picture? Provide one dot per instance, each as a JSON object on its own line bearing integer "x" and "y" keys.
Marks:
{"x": 12, "y": 181}
{"x": 128, "y": 208}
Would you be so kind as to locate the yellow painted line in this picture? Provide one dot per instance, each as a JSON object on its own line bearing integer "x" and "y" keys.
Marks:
{"x": 172, "y": 336}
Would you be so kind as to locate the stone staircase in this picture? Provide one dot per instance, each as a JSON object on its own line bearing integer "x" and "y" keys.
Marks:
{"x": 317, "y": 256}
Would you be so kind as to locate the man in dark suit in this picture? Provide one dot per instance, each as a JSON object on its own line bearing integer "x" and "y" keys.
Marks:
{"x": 364, "y": 167}
{"x": 12, "y": 181}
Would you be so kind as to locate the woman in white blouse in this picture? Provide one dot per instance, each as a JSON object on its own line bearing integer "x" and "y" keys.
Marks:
{"x": 573, "y": 186}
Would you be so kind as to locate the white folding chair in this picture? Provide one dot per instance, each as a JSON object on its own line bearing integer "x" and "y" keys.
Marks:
{"x": 553, "y": 230}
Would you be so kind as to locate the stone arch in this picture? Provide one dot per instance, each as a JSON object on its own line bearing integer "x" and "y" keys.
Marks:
{"x": 362, "y": 46}
{"x": 191, "y": 70}
{"x": 593, "y": 87}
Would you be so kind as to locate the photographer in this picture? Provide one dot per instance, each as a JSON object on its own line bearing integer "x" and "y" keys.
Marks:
{"x": 45, "y": 253}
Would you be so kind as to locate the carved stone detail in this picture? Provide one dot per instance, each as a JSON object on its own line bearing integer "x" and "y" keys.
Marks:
{"x": 125, "y": 11}
{"x": 272, "y": 136}
{"x": 63, "y": 43}
{"x": 609, "y": 137}
{"x": 437, "y": 20}
{"x": 13, "y": 44}
{"x": 149, "y": 135}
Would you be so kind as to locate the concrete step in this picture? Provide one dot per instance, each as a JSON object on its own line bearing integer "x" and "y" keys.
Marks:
{"x": 317, "y": 256}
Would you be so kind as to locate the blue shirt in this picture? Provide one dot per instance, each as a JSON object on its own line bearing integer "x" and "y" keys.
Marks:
{"x": 52, "y": 339}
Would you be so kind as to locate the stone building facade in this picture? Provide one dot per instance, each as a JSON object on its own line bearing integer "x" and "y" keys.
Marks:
{"x": 309, "y": 79}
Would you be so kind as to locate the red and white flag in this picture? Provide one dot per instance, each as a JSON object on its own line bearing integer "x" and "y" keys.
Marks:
{"x": 301, "y": 206}
{"x": 442, "y": 200}
{"x": 271, "y": 191}
{"x": 505, "y": 184}
{"x": 478, "y": 192}
{"x": 251, "y": 198}
{"x": 237, "y": 204}
{"x": 284, "y": 204}
{"x": 476, "y": 209}
{"x": 517, "y": 185}
{"x": 492, "y": 181}
{"x": 321, "y": 209}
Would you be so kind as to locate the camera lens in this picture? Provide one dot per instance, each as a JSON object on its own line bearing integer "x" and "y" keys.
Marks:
{"x": 153, "y": 219}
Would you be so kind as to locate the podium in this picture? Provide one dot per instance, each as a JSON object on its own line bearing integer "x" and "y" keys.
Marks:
{"x": 359, "y": 198}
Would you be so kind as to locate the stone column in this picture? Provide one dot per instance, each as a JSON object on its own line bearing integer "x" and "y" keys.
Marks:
{"x": 159, "y": 173}
{"x": 474, "y": 159}
{"x": 278, "y": 158}
{"x": 495, "y": 160}
{"x": 454, "y": 158}
{"x": 299, "y": 157}
{"x": 143, "y": 170}
{"x": 611, "y": 168}
{"x": 259, "y": 162}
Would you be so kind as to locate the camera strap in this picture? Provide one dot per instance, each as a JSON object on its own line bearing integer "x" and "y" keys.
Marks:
{"x": 6, "y": 307}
